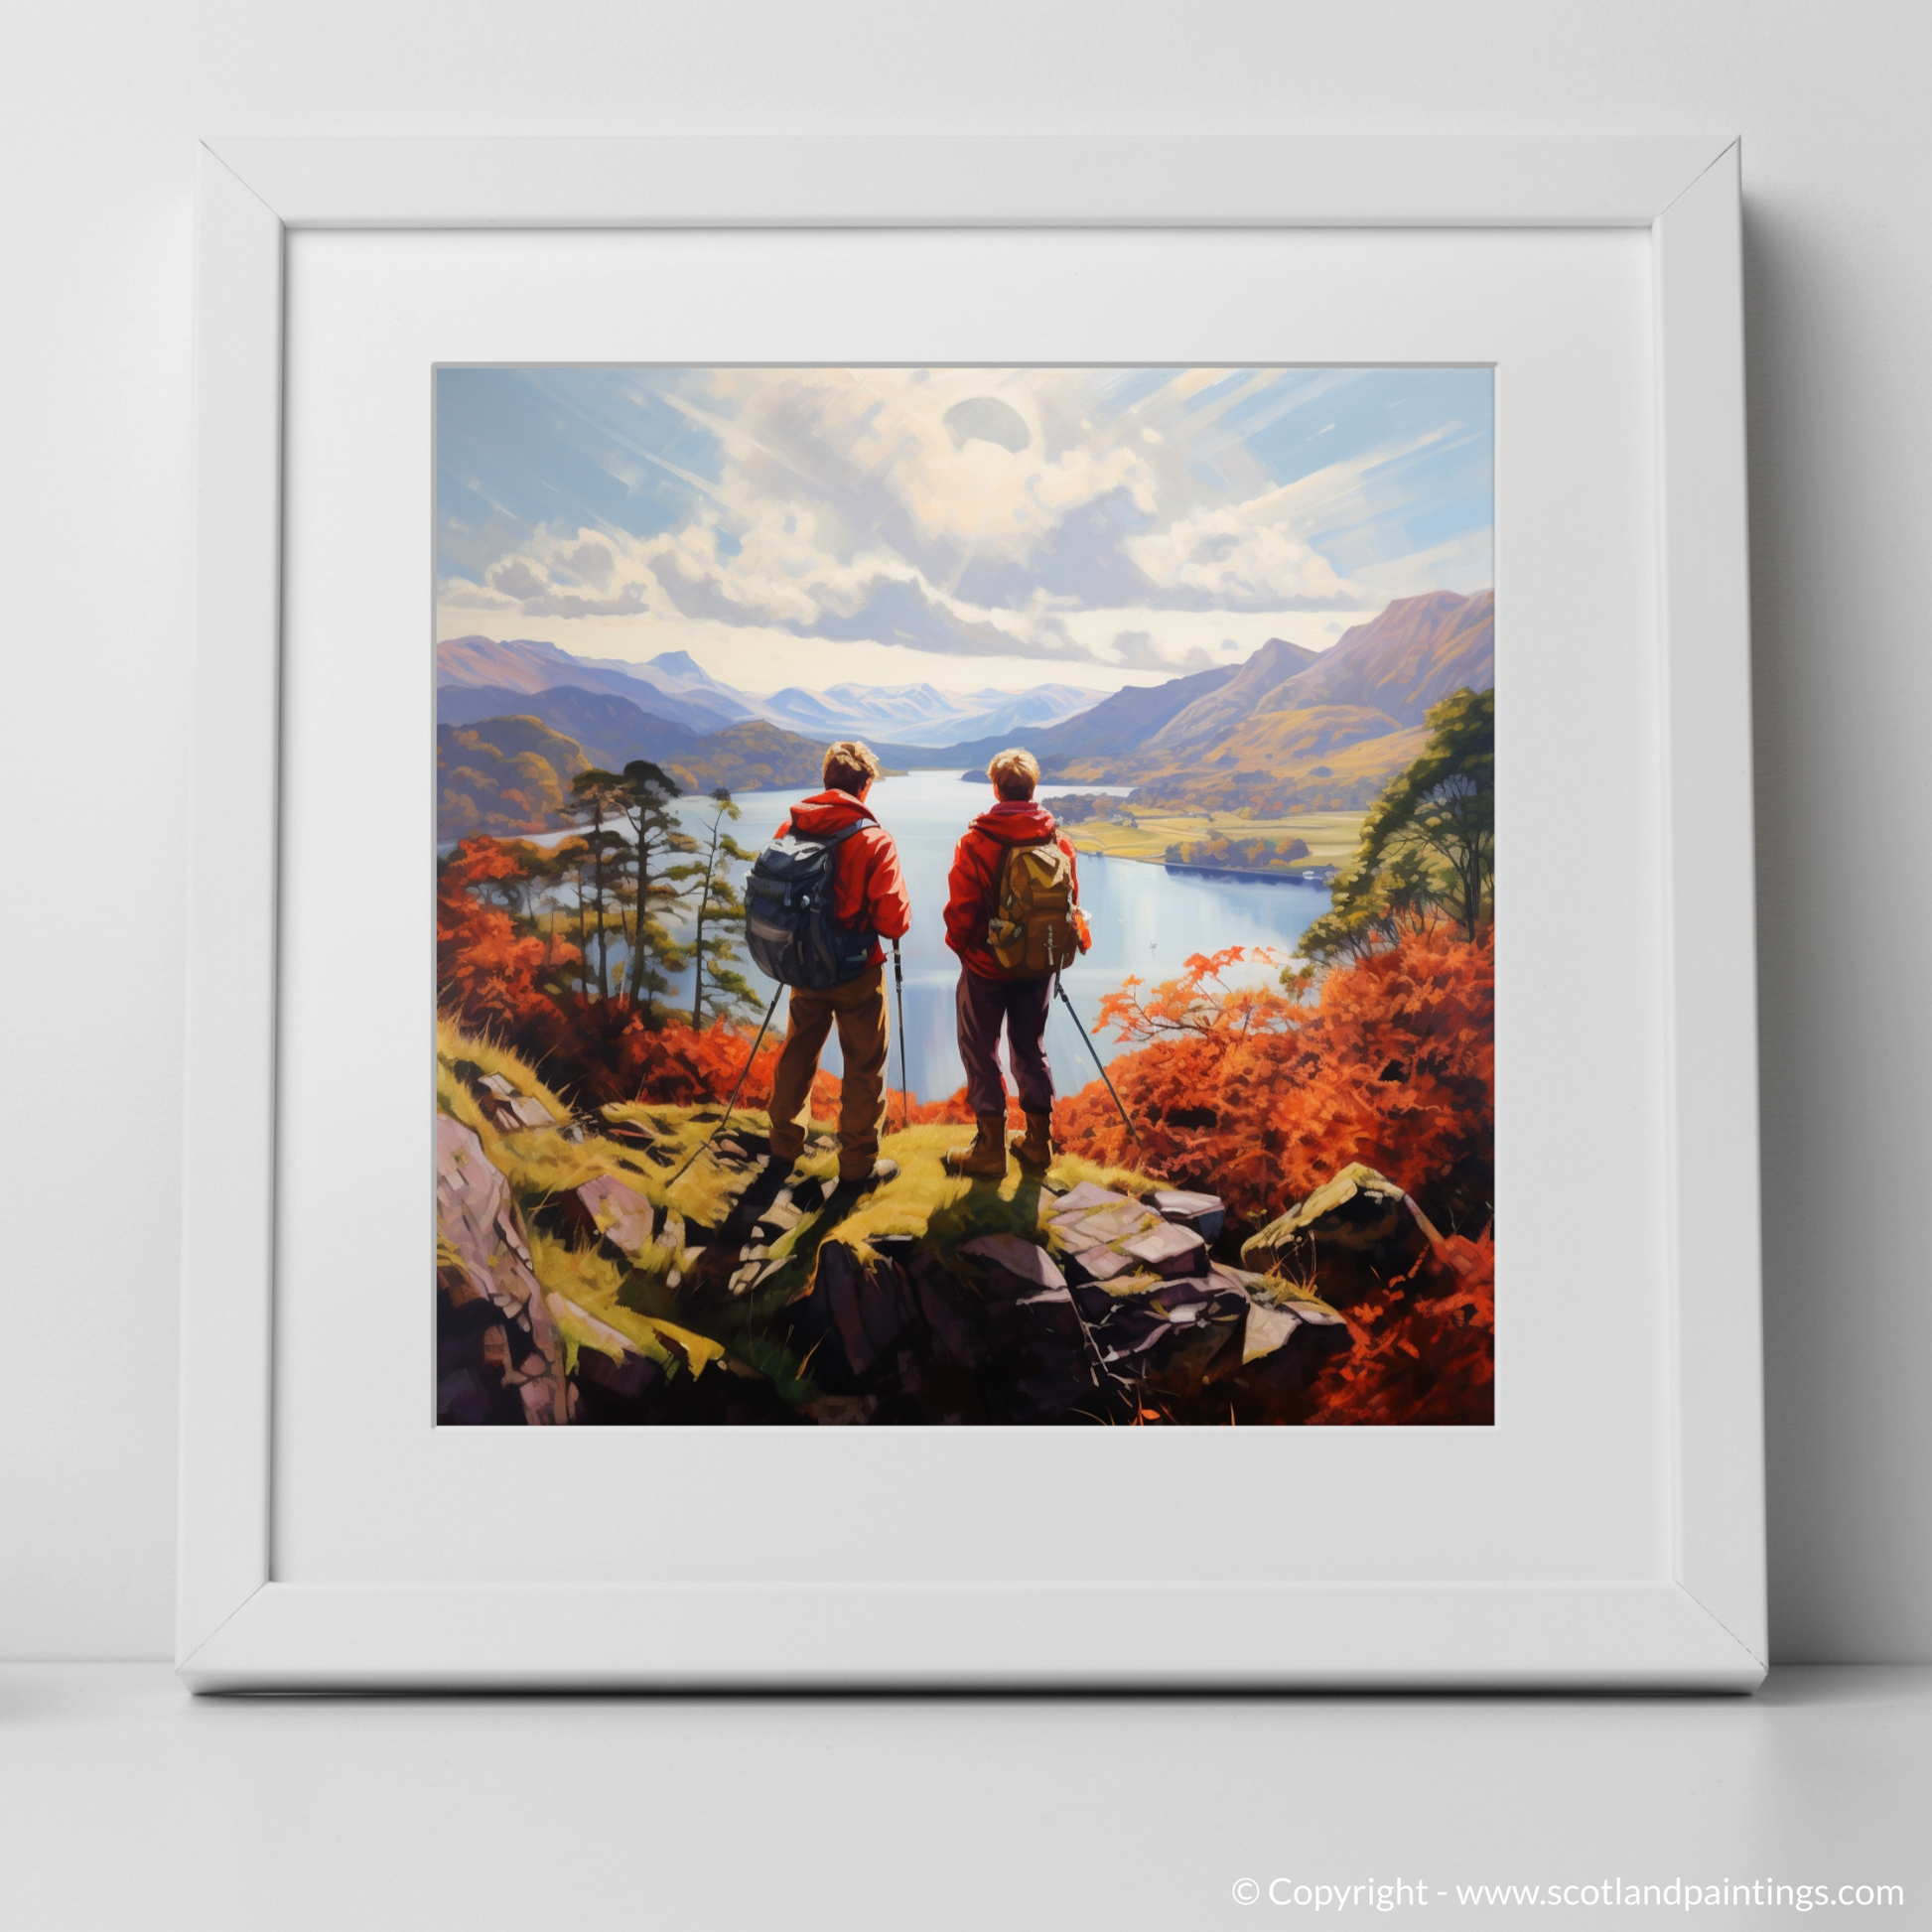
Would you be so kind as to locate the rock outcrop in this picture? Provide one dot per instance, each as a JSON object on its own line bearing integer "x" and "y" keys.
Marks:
{"x": 498, "y": 1354}
{"x": 1356, "y": 1233}
{"x": 1077, "y": 1304}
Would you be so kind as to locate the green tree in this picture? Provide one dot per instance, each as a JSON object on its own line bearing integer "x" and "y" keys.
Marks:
{"x": 572, "y": 859}
{"x": 1429, "y": 846}
{"x": 655, "y": 836}
{"x": 597, "y": 803}
{"x": 719, "y": 914}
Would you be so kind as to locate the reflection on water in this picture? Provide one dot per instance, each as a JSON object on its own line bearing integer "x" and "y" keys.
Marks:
{"x": 1144, "y": 920}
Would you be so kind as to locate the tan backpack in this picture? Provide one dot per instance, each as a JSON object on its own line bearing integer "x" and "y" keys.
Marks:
{"x": 1032, "y": 933}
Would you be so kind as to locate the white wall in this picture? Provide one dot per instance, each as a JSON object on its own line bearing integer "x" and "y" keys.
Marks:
{"x": 102, "y": 105}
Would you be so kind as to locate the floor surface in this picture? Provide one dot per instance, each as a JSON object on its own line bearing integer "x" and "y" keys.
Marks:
{"x": 126, "y": 1803}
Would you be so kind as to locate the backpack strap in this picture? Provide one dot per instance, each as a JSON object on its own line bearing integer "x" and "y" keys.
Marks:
{"x": 829, "y": 837}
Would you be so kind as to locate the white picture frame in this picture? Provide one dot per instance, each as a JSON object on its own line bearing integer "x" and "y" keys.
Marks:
{"x": 1698, "y": 1623}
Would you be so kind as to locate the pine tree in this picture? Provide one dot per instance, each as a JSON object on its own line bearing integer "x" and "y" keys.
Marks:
{"x": 597, "y": 802}
{"x": 719, "y": 914}
{"x": 655, "y": 836}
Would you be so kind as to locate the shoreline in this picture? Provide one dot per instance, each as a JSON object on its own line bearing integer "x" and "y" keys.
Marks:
{"x": 1320, "y": 877}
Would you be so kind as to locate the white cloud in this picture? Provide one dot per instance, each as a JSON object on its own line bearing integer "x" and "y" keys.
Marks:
{"x": 892, "y": 507}
{"x": 1242, "y": 557}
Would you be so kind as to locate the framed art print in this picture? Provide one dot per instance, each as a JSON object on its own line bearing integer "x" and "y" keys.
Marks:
{"x": 1025, "y": 894}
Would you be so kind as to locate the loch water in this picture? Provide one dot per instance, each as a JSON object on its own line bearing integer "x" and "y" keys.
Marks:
{"x": 1144, "y": 920}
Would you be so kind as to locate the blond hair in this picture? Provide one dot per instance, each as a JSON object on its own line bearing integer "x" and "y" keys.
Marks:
{"x": 850, "y": 767}
{"x": 1014, "y": 773}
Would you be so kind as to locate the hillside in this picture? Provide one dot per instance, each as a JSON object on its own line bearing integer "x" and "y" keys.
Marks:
{"x": 751, "y": 757}
{"x": 1289, "y": 730}
{"x": 611, "y": 731}
{"x": 1324, "y": 735}
{"x": 1419, "y": 650}
{"x": 676, "y": 674}
{"x": 1116, "y": 724}
{"x": 1209, "y": 718}
{"x": 510, "y": 775}
{"x": 529, "y": 665}
{"x": 503, "y": 776}
{"x": 1327, "y": 759}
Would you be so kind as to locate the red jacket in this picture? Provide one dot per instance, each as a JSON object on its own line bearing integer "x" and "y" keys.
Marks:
{"x": 976, "y": 871}
{"x": 871, "y": 886}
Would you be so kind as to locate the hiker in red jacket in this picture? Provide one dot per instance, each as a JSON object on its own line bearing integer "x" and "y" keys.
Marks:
{"x": 1013, "y": 994}
{"x": 870, "y": 896}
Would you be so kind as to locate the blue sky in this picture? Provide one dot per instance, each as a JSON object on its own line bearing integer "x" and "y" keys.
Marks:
{"x": 964, "y": 527}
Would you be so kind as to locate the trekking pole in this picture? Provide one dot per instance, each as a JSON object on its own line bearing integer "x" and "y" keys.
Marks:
{"x": 1095, "y": 1052}
{"x": 736, "y": 1091}
{"x": 904, "y": 1090}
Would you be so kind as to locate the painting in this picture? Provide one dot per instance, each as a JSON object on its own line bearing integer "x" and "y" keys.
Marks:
{"x": 964, "y": 896}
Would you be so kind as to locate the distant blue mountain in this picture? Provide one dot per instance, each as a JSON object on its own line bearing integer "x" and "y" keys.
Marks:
{"x": 674, "y": 686}
{"x": 920, "y": 713}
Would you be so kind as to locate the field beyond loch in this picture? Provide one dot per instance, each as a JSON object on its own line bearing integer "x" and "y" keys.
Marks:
{"x": 1331, "y": 837}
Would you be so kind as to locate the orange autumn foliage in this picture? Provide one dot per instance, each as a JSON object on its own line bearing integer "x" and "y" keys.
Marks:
{"x": 487, "y": 973}
{"x": 493, "y": 980}
{"x": 1425, "y": 1350}
{"x": 1260, "y": 1097}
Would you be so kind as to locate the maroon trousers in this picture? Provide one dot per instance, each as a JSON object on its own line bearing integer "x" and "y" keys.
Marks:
{"x": 1020, "y": 1005}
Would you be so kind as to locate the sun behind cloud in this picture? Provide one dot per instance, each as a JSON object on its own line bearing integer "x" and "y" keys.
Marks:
{"x": 1110, "y": 522}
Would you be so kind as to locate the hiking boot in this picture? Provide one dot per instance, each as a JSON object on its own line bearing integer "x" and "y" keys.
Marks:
{"x": 1035, "y": 1152}
{"x": 882, "y": 1172}
{"x": 987, "y": 1156}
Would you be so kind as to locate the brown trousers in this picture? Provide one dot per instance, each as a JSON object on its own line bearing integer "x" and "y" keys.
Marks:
{"x": 858, "y": 1009}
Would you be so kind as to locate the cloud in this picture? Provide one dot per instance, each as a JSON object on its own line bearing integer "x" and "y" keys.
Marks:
{"x": 959, "y": 511}
{"x": 772, "y": 579}
{"x": 516, "y": 578}
{"x": 1136, "y": 650}
{"x": 1248, "y": 556}
{"x": 902, "y": 611}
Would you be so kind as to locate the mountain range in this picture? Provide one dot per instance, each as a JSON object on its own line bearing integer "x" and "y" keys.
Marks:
{"x": 1287, "y": 730}
{"x": 1329, "y": 735}
{"x": 675, "y": 688}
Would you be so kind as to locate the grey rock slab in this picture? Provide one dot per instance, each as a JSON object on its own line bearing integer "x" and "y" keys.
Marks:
{"x": 1102, "y": 1263}
{"x": 1268, "y": 1329}
{"x": 1353, "y": 1233}
{"x": 1073, "y": 1230}
{"x": 1206, "y": 1214}
{"x": 1086, "y": 1198}
{"x": 1024, "y": 1259}
{"x": 623, "y": 1215}
{"x": 1169, "y": 1249}
{"x": 1238, "y": 1280}
{"x": 477, "y": 1218}
{"x": 1113, "y": 1224}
